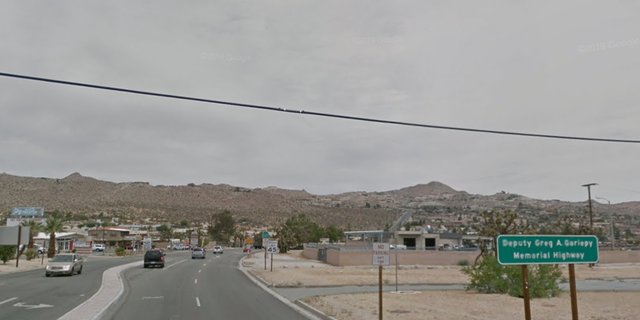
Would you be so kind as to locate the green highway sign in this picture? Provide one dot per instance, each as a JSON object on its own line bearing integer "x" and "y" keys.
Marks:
{"x": 547, "y": 249}
{"x": 265, "y": 234}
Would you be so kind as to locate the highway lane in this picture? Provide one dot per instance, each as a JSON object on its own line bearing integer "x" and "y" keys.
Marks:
{"x": 212, "y": 288}
{"x": 31, "y": 295}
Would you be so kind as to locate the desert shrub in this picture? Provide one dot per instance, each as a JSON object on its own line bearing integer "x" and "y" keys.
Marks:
{"x": 490, "y": 277}
{"x": 463, "y": 262}
{"x": 30, "y": 253}
{"x": 120, "y": 251}
{"x": 7, "y": 252}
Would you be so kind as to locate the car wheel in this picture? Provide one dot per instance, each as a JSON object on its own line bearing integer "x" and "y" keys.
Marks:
{"x": 47, "y": 275}
{"x": 193, "y": 257}
{"x": 145, "y": 266}
{"x": 72, "y": 270}
{"x": 80, "y": 271}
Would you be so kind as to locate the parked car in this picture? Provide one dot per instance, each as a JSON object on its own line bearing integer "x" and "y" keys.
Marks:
{"x": 217, "y": 249}
{"x": 64, "y": 263}
{"x": 246, "y": 249}
{"x": 400, "y": 247}
{"x": 197, "y": 252}
{"x": 154, "y": 258}
{"x": 98, "y": 247}
{"x": 38, "y": 248}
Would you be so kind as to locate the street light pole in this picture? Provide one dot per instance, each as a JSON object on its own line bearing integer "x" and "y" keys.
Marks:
{"x": 613, "y": 238}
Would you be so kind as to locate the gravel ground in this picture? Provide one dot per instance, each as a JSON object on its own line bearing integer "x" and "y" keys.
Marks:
{"x": 292, "y": 269}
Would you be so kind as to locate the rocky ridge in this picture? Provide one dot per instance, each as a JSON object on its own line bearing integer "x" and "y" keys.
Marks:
{"x": 262, "y": 206}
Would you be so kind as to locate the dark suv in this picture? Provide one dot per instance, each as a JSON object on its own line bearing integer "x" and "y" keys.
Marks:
{"x": 154, "y": 258}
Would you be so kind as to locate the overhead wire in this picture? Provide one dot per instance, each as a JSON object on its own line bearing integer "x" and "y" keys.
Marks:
{"x": 313, "y": 113}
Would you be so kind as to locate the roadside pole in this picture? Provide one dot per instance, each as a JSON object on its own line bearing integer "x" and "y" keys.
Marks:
{"x": 380, "y": 290}
{"x": 18, "y": 253}
{"x": 272, "y": 262}
{"x": 396, "y": 250}
{"x": 265, "y": 258}
{"x": 525, "y": 290}
{"x": 380, "y": 258}
{"x": 574, "y": 295}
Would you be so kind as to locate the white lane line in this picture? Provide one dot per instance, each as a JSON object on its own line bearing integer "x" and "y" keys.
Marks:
{"x": 204, "y": 265}
{"x": 199, "y": 270}
{"x": 198, "y": 301}
{"x": 196, "y": 281}
{"x": 9, "y": 300}
{"x": 167, "y": 267}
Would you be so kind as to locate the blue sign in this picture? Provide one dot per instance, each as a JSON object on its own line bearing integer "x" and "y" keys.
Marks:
{"x": 27, "y": 211}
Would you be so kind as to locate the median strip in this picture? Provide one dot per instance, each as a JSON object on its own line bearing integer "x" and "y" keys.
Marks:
{"x": 110, "y": 291}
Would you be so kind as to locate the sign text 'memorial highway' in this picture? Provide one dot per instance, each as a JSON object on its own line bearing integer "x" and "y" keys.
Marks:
{"x": 547, "y": 249}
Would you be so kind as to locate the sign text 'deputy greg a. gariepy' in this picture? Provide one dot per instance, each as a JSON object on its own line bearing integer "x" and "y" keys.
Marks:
{"x": 544, "y": 249}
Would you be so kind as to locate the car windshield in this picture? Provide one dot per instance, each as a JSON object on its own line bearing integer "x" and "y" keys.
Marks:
{"x": 153, "y": 253}
{"x": 64, "y": 258}
{"x": 197, "y": 249}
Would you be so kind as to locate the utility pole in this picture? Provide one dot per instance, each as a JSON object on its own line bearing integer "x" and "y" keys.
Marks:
{"x": 588, "y": 185}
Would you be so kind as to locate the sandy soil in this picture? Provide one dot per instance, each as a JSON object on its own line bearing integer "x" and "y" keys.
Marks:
{"x": 294, "y": 270}
{"x": 23, "y": 265}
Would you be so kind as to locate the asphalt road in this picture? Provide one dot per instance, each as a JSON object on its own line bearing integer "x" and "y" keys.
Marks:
{"x": 212, "y": 288}
{"x": 30, "y": 295}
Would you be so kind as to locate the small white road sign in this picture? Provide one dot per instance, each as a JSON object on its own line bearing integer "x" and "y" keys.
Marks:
{"x": 380, "y": 254}
{"x": 272, "y": 246}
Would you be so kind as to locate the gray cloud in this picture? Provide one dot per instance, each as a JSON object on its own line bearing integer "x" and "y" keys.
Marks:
{"x": 565, "y": 68}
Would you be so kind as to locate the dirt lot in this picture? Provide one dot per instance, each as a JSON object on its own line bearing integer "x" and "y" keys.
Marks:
{"x": 23, "y": 265}
{"x": 294, "y": 270}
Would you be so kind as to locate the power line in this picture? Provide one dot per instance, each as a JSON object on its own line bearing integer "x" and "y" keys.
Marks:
{"x": 312, "y": 113}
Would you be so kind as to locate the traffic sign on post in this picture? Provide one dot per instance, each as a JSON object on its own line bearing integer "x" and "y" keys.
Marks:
{"x": 272, "y": 246}
{"x": 547, "y": 249}
{"x": 265, "y": 234}
{"x": 380, "y": 254}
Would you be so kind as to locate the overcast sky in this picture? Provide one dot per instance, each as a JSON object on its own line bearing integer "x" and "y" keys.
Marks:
{"x": 547, "y": 67}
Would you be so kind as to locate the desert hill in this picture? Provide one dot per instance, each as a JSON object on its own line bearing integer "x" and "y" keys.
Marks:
{"x": 262, "y": 206}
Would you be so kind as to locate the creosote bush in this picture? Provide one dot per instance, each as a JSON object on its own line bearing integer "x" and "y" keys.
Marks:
{"x": 490, "y": 277}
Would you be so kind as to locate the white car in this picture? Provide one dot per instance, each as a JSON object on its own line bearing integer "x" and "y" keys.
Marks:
{"x": 217, "y": 249}
{"x": 98, "y": 247}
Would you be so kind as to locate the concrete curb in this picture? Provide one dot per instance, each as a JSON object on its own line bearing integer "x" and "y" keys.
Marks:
{"x": 261, "y": 283}
{"x": 315, "y": 311}
{"x": 110, "y": 291}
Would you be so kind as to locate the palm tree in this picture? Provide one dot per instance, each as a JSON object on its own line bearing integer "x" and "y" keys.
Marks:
{"x": 34, "y": 227}
{"x": 53, "y": 225}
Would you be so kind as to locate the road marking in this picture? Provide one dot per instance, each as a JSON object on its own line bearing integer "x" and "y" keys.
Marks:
{"x": 29, "y": 307}
{"x": 204, "y": 265}
{"x": 181, "y": 261}
{"x": 198, "y": 301}
{"x": 147, "y": 298}
{"x": 199, "y": 270}
{"x": 196, "y": 281}
{"x": 9, "y": 300}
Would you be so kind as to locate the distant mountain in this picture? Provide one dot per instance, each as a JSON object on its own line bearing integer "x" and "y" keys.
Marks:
{"x": 264, "y": 206}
